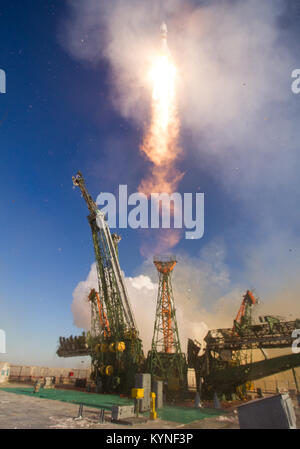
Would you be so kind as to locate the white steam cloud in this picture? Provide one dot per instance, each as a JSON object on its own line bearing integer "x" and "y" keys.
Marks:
{"x": 236, "y": 107}
{"x": 234, "y": 68}
{"x": 80, "y": 306}
{"x": 142, "y": 293}
{"x": 205, "y": 295}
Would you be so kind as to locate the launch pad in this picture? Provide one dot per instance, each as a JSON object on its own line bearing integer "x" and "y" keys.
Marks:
{"x": 225, "y": 368}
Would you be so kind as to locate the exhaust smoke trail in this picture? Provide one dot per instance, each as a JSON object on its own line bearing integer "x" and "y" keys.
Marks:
{"x": 160, "y": 144}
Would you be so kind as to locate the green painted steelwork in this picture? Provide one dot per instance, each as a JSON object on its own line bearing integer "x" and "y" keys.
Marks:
{"x": 116, "y": 355}
{"x": 224, "y": 378}
{"x": 165, "y": 360}
{"x": 218, "y": 370}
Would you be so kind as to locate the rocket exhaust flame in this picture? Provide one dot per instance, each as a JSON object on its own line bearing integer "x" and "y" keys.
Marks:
{"x": 160, "y": 144}
{"x": 164, "y": 124}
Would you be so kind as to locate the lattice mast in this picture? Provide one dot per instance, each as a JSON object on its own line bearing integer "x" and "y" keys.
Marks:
{"x": 99, "y": 321}
{"x": 112, "y": 288}
{"x": 165, "y": 359}
{"x": 165, "y": 337}
{"x": 244, "y": 315}
{"x": 242, "y": 325}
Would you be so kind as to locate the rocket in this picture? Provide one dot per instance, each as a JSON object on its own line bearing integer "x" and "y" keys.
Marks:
{"x": 163, "y": 38}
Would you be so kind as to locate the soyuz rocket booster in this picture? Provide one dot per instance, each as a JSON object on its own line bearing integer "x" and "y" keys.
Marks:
{"x": 163, "y": 38}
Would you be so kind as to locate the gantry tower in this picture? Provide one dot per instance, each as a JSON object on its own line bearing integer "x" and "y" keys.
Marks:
{"x": 241, "y": 326}
{"x": 110, "y": 278}
{"x": 99, "y": 321}
{"x": 114, "y": 343}
{"x": 165, "y": 359}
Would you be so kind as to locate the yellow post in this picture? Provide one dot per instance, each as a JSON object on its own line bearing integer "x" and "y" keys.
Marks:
{"x": 137, "y": 394}
{"x": 153, "y": 413}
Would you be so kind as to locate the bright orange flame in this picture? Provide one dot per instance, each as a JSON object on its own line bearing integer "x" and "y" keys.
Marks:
{"x": 163, "y": 75}
{"x": 160, "y": 145}
{"x": 160, "y": 142}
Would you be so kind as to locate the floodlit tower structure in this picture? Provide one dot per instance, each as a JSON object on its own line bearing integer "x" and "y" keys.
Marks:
{"x": 99, "y": 321}
{"x": 241, "y": 326}
{"x": 114, "y": 342}
{"x": 165, "y": 359}
{"x": 244, "y": 316}
{"x": 110, "y": 278}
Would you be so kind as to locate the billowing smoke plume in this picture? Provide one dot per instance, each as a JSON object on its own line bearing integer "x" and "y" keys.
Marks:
{"x": 80, "y": 306}
{"x": 234, "y": 63}
{"x": 235, "y": 103}
{"x": 142, "y": 293}
{"x": 206, "y": 295}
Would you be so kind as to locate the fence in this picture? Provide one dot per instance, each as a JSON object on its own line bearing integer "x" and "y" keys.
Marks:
{"x": 273, "y": 386}
{"x": 29, "y": 374}
{"x": 66, "y": 376}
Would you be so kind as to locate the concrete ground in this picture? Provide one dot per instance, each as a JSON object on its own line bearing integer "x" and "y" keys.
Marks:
{"x": 25, "y": 412}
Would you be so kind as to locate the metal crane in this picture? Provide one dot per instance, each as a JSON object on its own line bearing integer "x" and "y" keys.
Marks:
{"x": 222, "y": 368}
{"x": 99, "y": 317}
{"x": 244, "y": 315}
{"x": 113, "y": 343}
{"x": 110, "y": 278}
